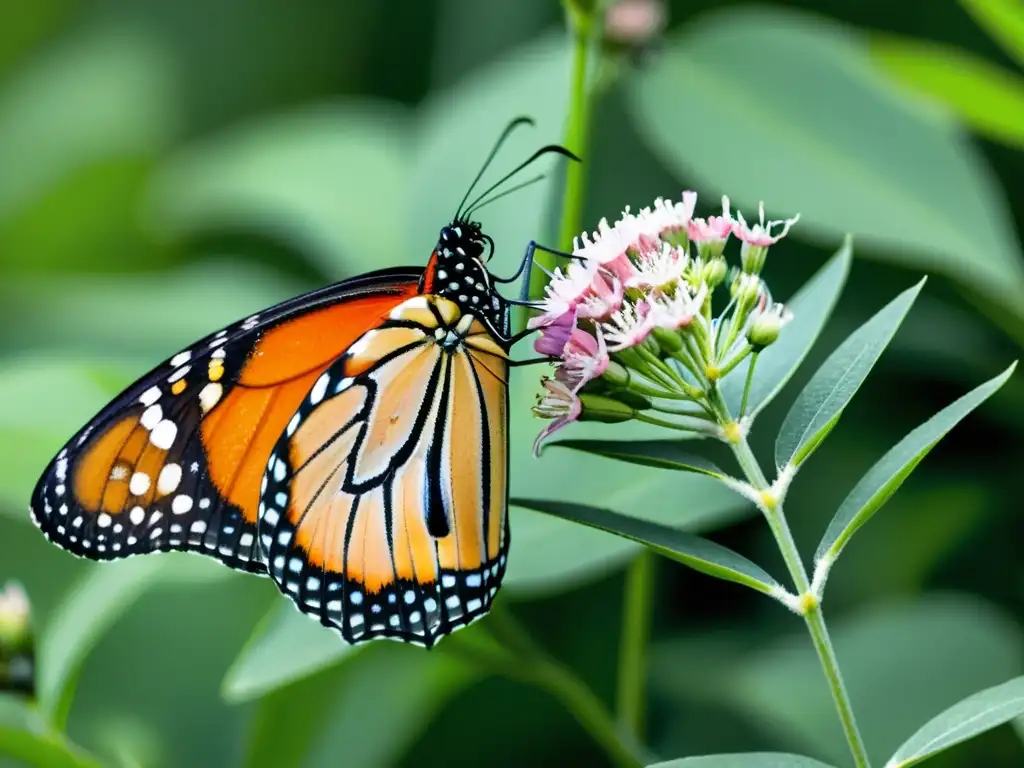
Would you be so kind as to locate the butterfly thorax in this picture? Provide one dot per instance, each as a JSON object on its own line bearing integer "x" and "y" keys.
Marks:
{"x": 457, "y": 271}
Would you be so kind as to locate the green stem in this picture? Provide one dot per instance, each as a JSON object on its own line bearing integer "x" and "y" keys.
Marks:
{"x": 636, "y": 628}
{"x": 811, "y": 608}
{"x": 703, "y": 428}
{"x": 746, "y": 385}
{"x": 534, "y": 665}
{"x": 577, "y": 132}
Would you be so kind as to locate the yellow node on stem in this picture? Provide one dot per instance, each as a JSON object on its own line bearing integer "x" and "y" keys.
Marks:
{"x": 733, "y": 432}
{"x": 769, "y": 500}
{"x": 713, "y": 372}
{"x": 808, "y": 602}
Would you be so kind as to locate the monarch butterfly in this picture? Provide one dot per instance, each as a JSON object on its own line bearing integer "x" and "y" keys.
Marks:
{"x": 350, "y": 443}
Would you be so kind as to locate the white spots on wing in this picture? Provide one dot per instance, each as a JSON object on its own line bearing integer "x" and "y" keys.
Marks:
{"x": 312, "y": 584}
{"x": 473, "y": 605}
{"x": 169, "y": 478}
{"x": 245, "y": 540}
{"x": 118, "y": 472}
{"x": 210, "y": 395}
{"x": 139, "y": 483}
{"x": 59, "y": 490}
{"x": 334, "y": 606}
{"x": 356, "y": 620}
{"x": 250, "y": 322}
{"x": 393, "y": 621}
{"x": 319, "y": 389}
{"x": 204, "y": 503}
{"x": 63, "y": 509}
{"x": 104, "y": 520}
{"x": 284, "y": 538}
{"x": 150, "y": 396}
{"x": 410, "y": 597}
{"x": 219, "y": 340}
{"x": 280, "y": 470}
{"x": 62, "y": 467}
{"x": 179, "y": 374}
{"x": 199, "y": 526}
{"x": 430, "y": 604}
{"x": 473, "y": 580}
{"x": 447, "y": 580}
{"x": 163, "y": 434}
{"x": 182, "y": 504}
{"x": 271, "y": 516}
{"x": 355, "y": 597}
{"x": 137, "y": 515}
{"x": 295, "y": 565}
{"x": 293, "y": 424}
{"x": 181, "y": 358}
{"x": 155, "y": 518}
{"x": 151, "y": 417}
{"x": 156, "y": 533}
{"x": 218, "y": 354}
{"x": 414, "y": 617}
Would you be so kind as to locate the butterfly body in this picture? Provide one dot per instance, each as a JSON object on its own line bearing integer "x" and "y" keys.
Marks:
{"x": 350, "y": 443}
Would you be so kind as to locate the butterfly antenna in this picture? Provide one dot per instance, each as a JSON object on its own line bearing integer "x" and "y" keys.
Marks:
{"x": 477, "y": 206}
{"x": 547, "y": 150}
{"x": 515, "y": 123}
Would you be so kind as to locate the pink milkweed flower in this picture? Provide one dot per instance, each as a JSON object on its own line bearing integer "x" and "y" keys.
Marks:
{"x": 603, "y": 298}
{"x": 558, "y": 403}
{"x": 584, "y": 359}
{"x": 563, "y": 292}
{"x": 668, "y": 219}
{"x": 758, "y": 237}
{"x": 629, "y": 326}
{"x": 678, "y": 310}
{"x": 710, "y": 234}
{"x": 554, "y": 333}
{"x": 609, "y": 246}
{"x": 660, "y": 268}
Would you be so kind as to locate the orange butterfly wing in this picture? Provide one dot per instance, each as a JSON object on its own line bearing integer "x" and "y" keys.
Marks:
{"x": 384, "y": 509}
{"x": 176, "y": 461}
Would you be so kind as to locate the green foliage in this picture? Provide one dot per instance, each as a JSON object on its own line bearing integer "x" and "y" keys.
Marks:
{"x": 819, "y": 406}
{"x": 169, "y": 170}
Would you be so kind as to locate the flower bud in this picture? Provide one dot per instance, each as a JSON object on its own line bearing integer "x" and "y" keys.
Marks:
{"x": 667, "y": 340}
{"x": 765, "y": 326}
{"x": 605, "y": 409}
{"x": 616, "y": 375}
{"x": 714, "y": 272}
{"x": 746, "y": 289}
{"x": 15, "y": 619}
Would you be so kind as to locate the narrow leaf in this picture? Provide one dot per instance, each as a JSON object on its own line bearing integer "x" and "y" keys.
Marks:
{"x": 1003, "y": 20}
{"x": 749, "y": 760}
{"x": 974, "y": 715}
{"x": 287, "y": 647}
{"x": 78, "y": 624}
{"x": 811, "y": 306}
{"x": 692, "y": 551}
{"x": 661, "y": 454}
{"x": 886, "y": 476}
{"x": 818, "y": 407}
{"x": 989, "y": 98}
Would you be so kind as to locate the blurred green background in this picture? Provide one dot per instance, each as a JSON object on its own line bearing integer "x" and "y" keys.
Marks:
{"x": 168, "y": 167}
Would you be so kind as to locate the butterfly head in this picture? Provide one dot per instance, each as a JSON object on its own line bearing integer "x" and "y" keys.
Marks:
{"x": 458, "y": 271}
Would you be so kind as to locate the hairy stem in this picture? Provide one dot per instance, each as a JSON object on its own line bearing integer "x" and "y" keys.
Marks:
{"x": 810, "y": 608}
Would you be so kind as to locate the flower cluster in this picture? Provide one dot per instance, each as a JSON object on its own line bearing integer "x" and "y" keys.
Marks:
{"x": 629, "y": 320}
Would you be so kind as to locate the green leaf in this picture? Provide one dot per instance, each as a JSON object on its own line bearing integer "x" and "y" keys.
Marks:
{"x": 886, "y": 476}
{"x": 78, "y": 624}
{"x": 119, "y": 87}
{"x": 974, "y": 715}
{"x": 661, "y": 454}
{"x": 288, "y": 646}
{"x": 332, "y": 179}
{"x": 749, "y": 760}
{"x": 692, "y": 551}
{"x": 924, "y": 197}
{"x": 821, "y": 403}
{"x": 24, "y": 737}
{"x": 986, "y": 97}
{"x": 1003, "y": 20}
{"x": 811, "y": 306}
{"x": 889, "y": 654}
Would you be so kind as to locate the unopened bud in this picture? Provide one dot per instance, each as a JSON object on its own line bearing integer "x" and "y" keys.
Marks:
{"x": 15, "y": 618}
{"x": 765, "y": 326}
{"x": 605, "y": 409}
{"x": 714, "y": 272}
{"x": 746, "y": 289}
{"x": 667, "y": 340}
{"x": 616, "y": 375}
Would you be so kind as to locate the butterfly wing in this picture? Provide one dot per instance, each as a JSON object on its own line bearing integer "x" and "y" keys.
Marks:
{"x": 175, "y": 462}
{"x": 384, "y": 509}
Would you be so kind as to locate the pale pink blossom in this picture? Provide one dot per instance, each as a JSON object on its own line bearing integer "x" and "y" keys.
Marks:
{"x": 628, "y": 327}
{"x": 659, "y": 268}
{"x": 558, "y": 403}
{"x": 675, "y": 311}
{"x": 584, "y": 359}
{"x": 760, "y": 233}
{"x": 554, "y": 334}
{"x": 667, "y": 217}
{"x": 563, "y": 292}
{"x": 713, "y": 229}
{"x": 609, "y": 246}
{"x": 603, "y": 299}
